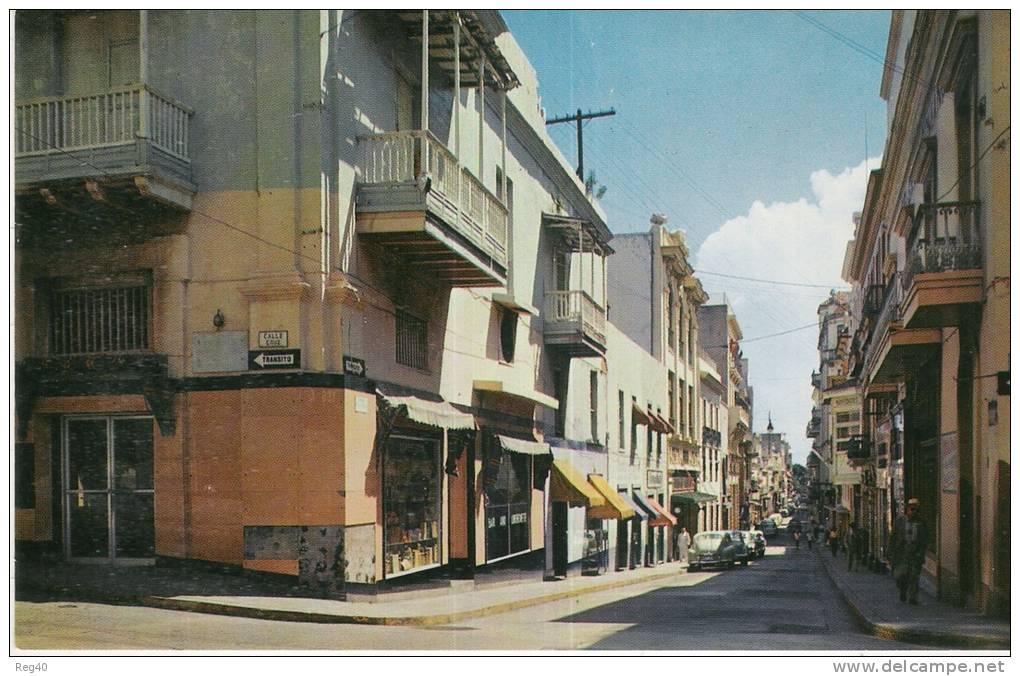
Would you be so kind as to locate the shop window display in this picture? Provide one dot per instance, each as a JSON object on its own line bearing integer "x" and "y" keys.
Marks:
{"x": 508, "y": 506}
{"x": 411, "y": 504}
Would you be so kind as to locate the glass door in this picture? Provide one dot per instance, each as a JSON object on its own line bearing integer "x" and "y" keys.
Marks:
{"x": 108, "y": 488}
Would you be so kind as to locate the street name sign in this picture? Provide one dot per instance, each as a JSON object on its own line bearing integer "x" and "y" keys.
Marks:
{"x": 272, "y": 339}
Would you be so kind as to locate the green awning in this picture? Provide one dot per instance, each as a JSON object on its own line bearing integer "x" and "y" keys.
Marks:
{"x": 695, "y": 497}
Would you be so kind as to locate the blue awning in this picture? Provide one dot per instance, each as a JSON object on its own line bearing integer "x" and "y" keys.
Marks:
{"x": 639, "y": 512}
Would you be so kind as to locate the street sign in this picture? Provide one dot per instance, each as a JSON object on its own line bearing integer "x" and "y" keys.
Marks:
{"x": 262, "y": 360}
{"x": 273, "y": 339}
{"x": 354, "y": 366}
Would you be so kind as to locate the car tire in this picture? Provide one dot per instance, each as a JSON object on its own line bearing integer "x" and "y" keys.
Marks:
{"x": 744, "y": 562}
{"x": 693, "y": 569}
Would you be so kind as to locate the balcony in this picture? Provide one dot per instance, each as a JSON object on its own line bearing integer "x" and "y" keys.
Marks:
{"x": 711, "y": 437}
{"x": 417, "y": 201}
{"x": 816, "y": 380}
{"x": 814, "y": 428}
{"x": 895, "y": 351}
{"x": 858, "y": 450}
{"x": 574, "y": 324}
{"x": 873, "y": 297}
{"x": 87, "y": 160}
{"x": 940, "y": 277}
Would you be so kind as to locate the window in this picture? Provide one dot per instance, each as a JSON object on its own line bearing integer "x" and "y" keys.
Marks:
{"x": 412, "y": 341}
{"x": 648, "y": 436}
{"x": 508, "y": 335}
{"x": 508, "y": 505}
{"x": 690, "y": 410}
{"x": 671, "y": 319}
{"x": 658, "y": 439}
{"x": 621, "y": 431}
{"x": 97, "y": 319}
{"x": 672, "y": 399}
{"x": 561, "y": 270}
{"x": 633, "y": 428}
{"x": 412, "y": 489}
{"x": 593, "y": 404}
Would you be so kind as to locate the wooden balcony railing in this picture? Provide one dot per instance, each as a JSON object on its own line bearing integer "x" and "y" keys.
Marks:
{"x": 107, "y": 119}
{"x": 408, "y": 157}
{"x": 577, "y": 307}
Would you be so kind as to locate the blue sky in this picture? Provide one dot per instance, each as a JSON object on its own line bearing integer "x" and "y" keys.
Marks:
{"x": 751, "y": 131}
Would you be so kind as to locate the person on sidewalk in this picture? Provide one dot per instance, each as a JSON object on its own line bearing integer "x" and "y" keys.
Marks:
{"x": 683, "y": 542}
{"x": 853, "y": 550}
{"x": 907, "y": 544}
{"x": 834, "y": 541}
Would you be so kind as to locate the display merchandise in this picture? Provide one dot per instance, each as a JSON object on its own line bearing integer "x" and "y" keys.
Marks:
{"x": 411, "y": 505}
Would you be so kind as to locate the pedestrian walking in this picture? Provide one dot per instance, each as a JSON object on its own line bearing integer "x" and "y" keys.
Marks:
{"x": 853, "y": 550}
{"x": 834, "y": 541}
{"x": 810, "y": 538}
{"x": 906, "y": 550}
{"x": 683, "y": 542}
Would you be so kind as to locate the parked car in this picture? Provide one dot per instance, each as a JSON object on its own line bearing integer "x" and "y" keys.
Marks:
{"x": 749, "y": 549}
{"x": 759, "y": 543}
{"x": 768, "y": 527}
{"x": 714, "y": 548}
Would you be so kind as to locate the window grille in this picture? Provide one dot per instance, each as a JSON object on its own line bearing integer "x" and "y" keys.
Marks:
{"x": 412, "y": 341}
{"x": 97, "y": 320}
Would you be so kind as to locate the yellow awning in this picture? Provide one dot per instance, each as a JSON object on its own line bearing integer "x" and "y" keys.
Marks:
{"x": 566, "y": 485}
{"x": 615, "y": 508}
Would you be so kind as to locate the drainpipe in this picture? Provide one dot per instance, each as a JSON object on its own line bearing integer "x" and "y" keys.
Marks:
{"x": 424, "y": 89}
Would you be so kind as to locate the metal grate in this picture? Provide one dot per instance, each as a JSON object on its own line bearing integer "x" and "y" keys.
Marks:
{"x": 89, "y": 321}
{"x": 412, "y": 341}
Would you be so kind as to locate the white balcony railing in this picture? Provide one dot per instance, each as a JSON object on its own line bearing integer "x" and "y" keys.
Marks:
{"x": 107, "y": 119}
{"x": 577, "y": 307}
{"x": 403, "y": 156}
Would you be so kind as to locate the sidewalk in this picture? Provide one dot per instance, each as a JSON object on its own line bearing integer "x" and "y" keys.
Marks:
{"x": 874, "y": 599}
{"x": 240, "y": 597}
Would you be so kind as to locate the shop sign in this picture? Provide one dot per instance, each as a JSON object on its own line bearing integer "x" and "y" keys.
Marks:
{"x": 354, "y": 366}
{"x": 273, "y": 339}
{"x": 654, "y": 478}
{"x": 264, "y": 360}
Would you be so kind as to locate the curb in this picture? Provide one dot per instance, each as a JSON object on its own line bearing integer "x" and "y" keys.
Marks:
{"x": 892, "y": 632}
{"x": 223, "y": 609}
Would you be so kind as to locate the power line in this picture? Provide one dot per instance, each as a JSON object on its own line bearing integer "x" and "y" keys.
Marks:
{"x": 976, "y": 162}
{"x": 769, "y": 281}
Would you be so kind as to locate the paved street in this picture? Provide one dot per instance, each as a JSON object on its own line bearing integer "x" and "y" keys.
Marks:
{"x": 783, "y": 602}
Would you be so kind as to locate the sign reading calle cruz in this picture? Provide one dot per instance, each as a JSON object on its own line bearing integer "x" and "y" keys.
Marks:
{"x": 262, "y": 360}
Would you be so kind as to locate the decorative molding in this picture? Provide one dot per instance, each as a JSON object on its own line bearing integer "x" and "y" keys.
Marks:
{"x": 285, "y": 286}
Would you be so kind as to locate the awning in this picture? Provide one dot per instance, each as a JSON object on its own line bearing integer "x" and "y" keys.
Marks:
{"x": 524, "y": 446}
{"x": 438, "y": 413}
{"x": 640, "y": 415}
{"x": 655, "y": 517}
{"x": 615, "y": 507}
{"x": 638, "y": 511}
{"x": 667, "y": 427}
{"x": 695, "y": 497}
{"x": 662, "y": 511}
{"x": 566, "y": 485}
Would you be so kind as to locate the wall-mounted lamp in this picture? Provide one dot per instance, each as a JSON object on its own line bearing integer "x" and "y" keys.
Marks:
{"x": 218, "y": 319}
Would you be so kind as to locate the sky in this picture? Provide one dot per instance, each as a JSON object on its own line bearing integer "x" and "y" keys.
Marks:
{"x": 751, "y": 131}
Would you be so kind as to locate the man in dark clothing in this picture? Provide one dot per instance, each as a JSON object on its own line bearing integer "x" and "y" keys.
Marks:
{"x": 853, "y": 550}
{"x": 906, "y": 550}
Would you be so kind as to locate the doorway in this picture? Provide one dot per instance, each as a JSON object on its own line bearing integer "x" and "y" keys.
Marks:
{"x": 559, "y": 538}
{"x": 108, "y": 488}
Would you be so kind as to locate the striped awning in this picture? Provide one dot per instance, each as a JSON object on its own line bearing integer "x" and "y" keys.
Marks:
{"x": 435, "y": 413}
{"x": 512, "y": 445}
{"x": 639, "y": 512}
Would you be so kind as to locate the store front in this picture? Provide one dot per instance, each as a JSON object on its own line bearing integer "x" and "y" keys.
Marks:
{"x": 657, "y": 524}
{"x": 512, "y": 468}
{"x": 637, "y": 527}
{"x": 416, "y": 434}
{"x": 616, "y": 510}
{"x": 666, "y": 524}
{"x": 412, "y": 504}
{"x": 571, "y": 536}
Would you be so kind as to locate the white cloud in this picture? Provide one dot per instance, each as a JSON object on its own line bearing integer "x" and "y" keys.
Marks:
{"x": 802, "y": 241}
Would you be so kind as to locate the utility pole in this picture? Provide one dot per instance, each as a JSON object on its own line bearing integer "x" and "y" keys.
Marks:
{"x": 579, "y": 118}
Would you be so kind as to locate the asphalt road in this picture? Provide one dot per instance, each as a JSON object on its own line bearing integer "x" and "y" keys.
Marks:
{"x": 782, "y": 602}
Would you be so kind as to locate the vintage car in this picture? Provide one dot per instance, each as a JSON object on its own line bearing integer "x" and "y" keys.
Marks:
{"x": 768, "y": 527}
{"x": 745, "y": 543}
{"x": 715, "y": 548}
